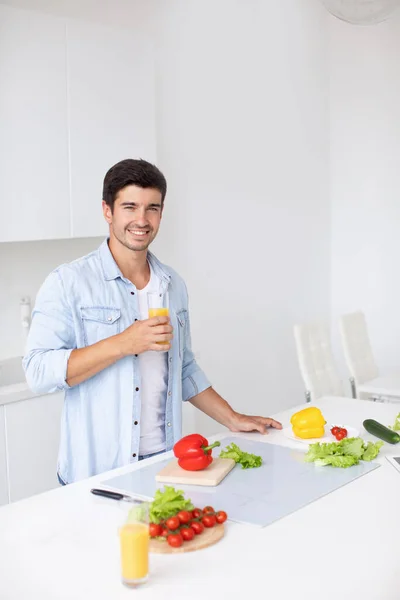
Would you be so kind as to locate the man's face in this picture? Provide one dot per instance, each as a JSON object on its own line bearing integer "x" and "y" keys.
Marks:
{"x": 136, "y": 216}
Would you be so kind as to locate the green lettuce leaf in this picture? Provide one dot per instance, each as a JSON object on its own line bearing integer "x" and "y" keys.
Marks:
{"x": 320, "y": 450}
{"x": 247, "y": 460}
{"x": 139, "y": 513}
{"x": 396, "y": 425}
{"x": 345, "y": 453}
{"x": 352, "y": 447}
{"x": 372, "y": 450}
{"x": 167, "y": 503}
{"x": 337, "y": 461}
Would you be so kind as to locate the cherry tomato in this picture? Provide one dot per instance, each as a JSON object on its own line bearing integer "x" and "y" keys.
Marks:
{"x": 175, "y": 540}
{"x": 344, "y": 431}
{"x": 197, "y": 513}
{"x": 197, "y": 527}
{"x": 340, "y": 435}
{"x": 164, "y": 531}
{"x": 184, "y": 516}
{"x": 208, "y": 509}
{"x": 155, "y": 529}
{"x": 209, "y": 520}
{"x": 187, "y": 533}
{"x": 334, "y": 431}
{"x": 221, "y": 516}
{"x": 172, "y": 523}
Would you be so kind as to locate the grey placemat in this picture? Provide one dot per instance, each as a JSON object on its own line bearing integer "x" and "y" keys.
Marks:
{"x": 283, "y": 484}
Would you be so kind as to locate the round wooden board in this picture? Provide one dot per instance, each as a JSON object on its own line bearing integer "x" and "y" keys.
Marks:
{"x": 209, "y": 537}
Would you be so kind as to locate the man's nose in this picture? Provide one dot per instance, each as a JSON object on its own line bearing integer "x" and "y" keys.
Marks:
{"x": 140, "y": 217}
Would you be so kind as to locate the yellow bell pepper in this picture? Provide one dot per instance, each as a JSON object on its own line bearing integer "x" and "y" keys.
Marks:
{"x": 308, "y": 423}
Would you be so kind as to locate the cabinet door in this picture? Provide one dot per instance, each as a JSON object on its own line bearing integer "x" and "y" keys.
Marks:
{"x": 112, "y": 113}
{"x": 34, "y": 179}
{"x": 3, "y": 461}
{"x": 33, "y": 433}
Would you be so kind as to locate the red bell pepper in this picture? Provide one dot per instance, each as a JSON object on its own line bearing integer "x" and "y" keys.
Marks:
{"x": 193, "y": 452}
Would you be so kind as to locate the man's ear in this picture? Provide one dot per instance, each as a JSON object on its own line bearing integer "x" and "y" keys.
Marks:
{"x": 107, "y": 212}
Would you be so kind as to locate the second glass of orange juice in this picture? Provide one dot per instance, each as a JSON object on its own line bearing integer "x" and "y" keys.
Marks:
{"x": 134, "y": 547}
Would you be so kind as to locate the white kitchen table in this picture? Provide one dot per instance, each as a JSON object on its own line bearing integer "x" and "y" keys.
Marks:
{"x": 63, "y": 544}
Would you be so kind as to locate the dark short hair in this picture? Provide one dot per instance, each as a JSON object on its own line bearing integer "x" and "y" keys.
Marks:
{"x": 132, "y": 172}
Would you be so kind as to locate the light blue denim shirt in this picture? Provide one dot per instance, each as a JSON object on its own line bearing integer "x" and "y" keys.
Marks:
{"x": 79, "y": 304}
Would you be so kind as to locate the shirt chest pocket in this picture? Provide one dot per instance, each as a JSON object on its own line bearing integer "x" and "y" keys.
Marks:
{"x": 99, "y": 323}
{"x": 182, "y": 317}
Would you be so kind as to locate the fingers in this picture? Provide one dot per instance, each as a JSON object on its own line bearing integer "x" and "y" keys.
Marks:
{"x": 154, "y": 321}
{"x": 259, "y": 427}
{"x": 271, "y": 422}
{"x": 157, "y": 347}
{"x": 162, "y": 329}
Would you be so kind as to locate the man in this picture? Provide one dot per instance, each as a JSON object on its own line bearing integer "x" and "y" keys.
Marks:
{"x": 91, "y": 336}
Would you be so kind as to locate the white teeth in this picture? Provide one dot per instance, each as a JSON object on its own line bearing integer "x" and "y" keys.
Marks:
{"x": 137, "y": 232}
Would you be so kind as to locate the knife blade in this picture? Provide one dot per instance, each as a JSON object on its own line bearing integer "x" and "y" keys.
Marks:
{"x": 115, "y": 495}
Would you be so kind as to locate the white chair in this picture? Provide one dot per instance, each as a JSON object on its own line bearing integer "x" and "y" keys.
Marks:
{"x": 365, "y": 379}
{"x": 316, "y": 362}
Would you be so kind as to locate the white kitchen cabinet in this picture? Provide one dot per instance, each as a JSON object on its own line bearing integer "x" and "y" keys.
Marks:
{"x": 33, "y": 434}
{"x": 111, "y": 93}
{"x": 3, "y": 461}
{"x": 34, "y": 170}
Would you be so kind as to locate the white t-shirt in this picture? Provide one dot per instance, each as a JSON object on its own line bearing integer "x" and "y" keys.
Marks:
{"x": 154, "y": 382}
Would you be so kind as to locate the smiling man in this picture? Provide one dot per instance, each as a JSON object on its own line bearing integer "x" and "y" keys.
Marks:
{"x": 91, "y": 336}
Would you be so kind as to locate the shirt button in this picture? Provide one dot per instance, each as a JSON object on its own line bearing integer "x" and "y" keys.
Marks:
{"x": 109, "y": 318}
{"x": 168, "y": 424}
{"x": 137, "y": 389}
{"x": 170, "y": 360}
{"x": 135, "y": 319}
{"x": 133, "y": 293}
{"x": 134, "y": 455}
{"x": 136, "y": 355}
{"x": 135, "y": 422}
{"x": 169, "y": 393}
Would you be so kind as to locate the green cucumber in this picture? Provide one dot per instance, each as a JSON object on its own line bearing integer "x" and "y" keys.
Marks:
{"x": 381, "y": 432}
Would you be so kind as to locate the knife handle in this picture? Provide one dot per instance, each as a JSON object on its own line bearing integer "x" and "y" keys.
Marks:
{"x": 107, "y": 494}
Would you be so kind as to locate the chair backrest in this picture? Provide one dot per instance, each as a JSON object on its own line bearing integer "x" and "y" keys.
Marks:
{"x": 357, "y": 348}
{"x": 316, "y": 361}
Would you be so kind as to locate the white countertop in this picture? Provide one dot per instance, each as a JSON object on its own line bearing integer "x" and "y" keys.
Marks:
{"x": 63, "y": 544}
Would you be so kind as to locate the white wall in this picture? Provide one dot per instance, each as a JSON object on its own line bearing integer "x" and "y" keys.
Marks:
{"x": 23, "y": 268}
{"x": 243, "y": 138}
{"x": 365, "y": 180}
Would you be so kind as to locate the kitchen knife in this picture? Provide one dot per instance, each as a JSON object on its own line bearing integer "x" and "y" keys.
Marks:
{"x": 115, "y": 495}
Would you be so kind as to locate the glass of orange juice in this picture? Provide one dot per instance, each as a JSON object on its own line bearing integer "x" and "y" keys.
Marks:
{"x": 134, "y": 546}
{"x": 157, "y": 303}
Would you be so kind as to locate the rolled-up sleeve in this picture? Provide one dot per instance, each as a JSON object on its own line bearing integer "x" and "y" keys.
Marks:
{"x": 194, "y": 380}
{"x": 51, "y": 339}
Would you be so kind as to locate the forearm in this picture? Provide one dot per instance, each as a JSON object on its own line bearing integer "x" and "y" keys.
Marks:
{"x": 213, "y": 405}
{"x": 84, "y": 363}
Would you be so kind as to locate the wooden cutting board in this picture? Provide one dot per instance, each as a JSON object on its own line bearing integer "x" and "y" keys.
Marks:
{"x": 207, "y": 538}
{"x": 211, "y": 476}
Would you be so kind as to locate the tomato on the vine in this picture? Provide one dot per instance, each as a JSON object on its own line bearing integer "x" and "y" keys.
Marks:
{"x": 208, "y": 509}
{"x": 209, "y": 520}
{"x": 187, "y": 533}
{"x": 221, "y": 516}
{"x": 155, "y": 529}
{"x": 184, "y": 516}
{"x": 172, "y": 523}
{"x": 175, "y": 540}
{"x": 197, "y": 527}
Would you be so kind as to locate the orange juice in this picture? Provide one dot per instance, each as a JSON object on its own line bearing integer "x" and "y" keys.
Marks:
{"x": 134, "y": 545}
{"x": 158, "y": 312}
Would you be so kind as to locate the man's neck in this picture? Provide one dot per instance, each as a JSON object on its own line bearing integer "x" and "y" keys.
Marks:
{"x": 133, "y": 265}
